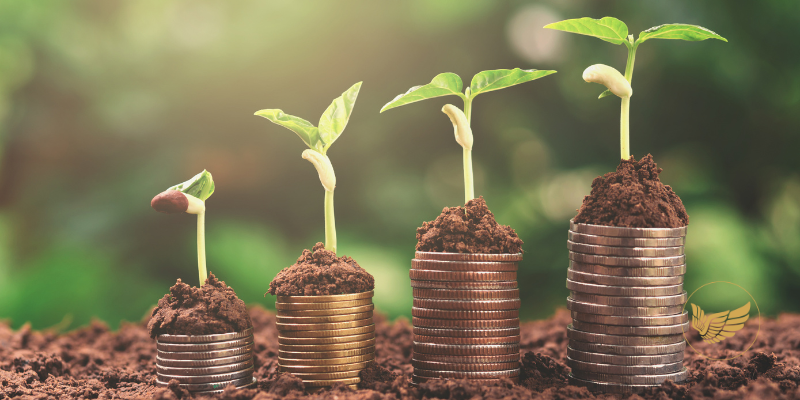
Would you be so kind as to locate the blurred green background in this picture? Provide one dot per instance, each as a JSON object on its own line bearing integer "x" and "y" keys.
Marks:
{"x": 104, "y": 104}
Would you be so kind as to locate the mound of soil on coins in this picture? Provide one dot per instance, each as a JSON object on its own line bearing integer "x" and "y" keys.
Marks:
{"x": 633, "y": 197}
{"x": 319, "y": 272}
{"x": 95, "y": 363}
{"x": 209, "y": 309}
{"x": 469, "y": 229}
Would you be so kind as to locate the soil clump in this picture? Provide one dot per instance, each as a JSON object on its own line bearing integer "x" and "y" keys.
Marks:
{"x": 318, "y": 272}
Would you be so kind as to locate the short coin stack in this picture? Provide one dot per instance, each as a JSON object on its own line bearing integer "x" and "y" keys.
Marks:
{"x": 465, "y": 316}
{"x": 325, "y": 340}
{"x": 626, "y": 299}
{"x": 206, "y": 364}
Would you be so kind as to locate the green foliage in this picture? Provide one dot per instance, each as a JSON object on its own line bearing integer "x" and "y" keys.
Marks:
{"x": 496, "y": 79}
{"x": 444, "y": 84}
{"x": 304, "y": 129}
{"x": 691, "y": 33}
{"x": 604, "y": 94}
{"x": 200, "y": 186}
{"x": 609, "y": 29}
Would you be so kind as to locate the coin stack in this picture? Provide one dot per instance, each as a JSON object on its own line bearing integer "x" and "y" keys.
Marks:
{"x": 206, "y": 364}
{"x": 465, "y": 316}
{"x": 325, "y": 340}
{"x": 626, "y": 299}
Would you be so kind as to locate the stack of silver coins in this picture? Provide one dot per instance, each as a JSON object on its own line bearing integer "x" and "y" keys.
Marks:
{"x": 326, "y": 340}
{"x": 465, "y": 316}
{"x": 626, "y": 299}
{"x": 206, "y": 364}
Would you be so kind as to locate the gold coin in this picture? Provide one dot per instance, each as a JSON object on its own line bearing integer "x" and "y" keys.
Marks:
{"x": 324, "y": 326}
{"x": 323, "y": 368}
{"x": 325, "y": 319}
{"x": 326, "y": 347}
{"x": 312, "y": 390}
{"x": 325, "y": 361}
{"x": 326, "y": 354}
{"x": 328, "y": 333}
{"x": 326, "y": 375}
{"x": 322, "y": 306}
{"x": 326, "y": 340}
{"x": 325, "y": 298}
{"x": 319, "y": 313}
{"x": 331, "y": 382}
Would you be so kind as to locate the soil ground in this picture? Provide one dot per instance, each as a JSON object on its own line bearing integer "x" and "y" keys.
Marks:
{"x": 318, "y": 272}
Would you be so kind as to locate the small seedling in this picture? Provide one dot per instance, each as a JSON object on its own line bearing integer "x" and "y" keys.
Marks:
{"x": 449, "y": 83}
{"x": 615, "y": 31}
{"x": 190, "y": 197}
{"x": 319, "y": 139}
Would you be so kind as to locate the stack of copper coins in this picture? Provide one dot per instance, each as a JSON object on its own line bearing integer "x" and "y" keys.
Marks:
{"x": 325, "y": 340}
{"x": 206, "y": 364}
{"x": 465, "y": 316}
{"x": 626, "y": 299}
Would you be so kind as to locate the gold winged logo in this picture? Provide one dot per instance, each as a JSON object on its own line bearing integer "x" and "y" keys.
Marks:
{"x": 714, "y": 328}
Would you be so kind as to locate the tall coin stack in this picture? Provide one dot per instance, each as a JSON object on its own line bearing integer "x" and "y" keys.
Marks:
{"x": 465, "y": 316}
{"x": 206, "y": 364}
{"x": 626, "y": 299}
{"x": 325, "y": 340}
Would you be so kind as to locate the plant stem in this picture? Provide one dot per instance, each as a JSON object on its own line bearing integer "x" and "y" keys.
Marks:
{"x": 624, "y": 117}
{"x": 201, "y": 247}
{"x": 330, "y": 223}
{"x": 469, "y": 182}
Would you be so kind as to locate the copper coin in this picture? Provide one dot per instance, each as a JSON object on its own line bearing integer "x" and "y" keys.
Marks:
{"x": 327, "y": 347}
{"x": 465, "y": 294}
{"x": 466, "y": 340}
{"x": 324, "y": 326}
{"x": 633, "y": 291}
{"x": 326, "y": 375}
{"x": 623, "y": 350}
{"x": 326, "y": 354}
{"x": 194, "y": 347}
{"x": 632, "y": 321}
{"x": 475, "y": 333}
{"x": 439, "y": 366}
{"x": 590, "y": 308}
{"x": 625, "y": 251}
{"x": 305, "y": 369}
{"x": 331, "y": 382}
{"x": 631, "y": 301}
{"x": 464, "y": 285}
{"x": 325, "y": 361}
{"x": 319, "y": 313}
{"x": 613, "y": 359}
{"x": 425, "y": 255}
{"x": 203, "y": 363}
{"x": 575, "y": 334}
{"x": 603, "y": 230}
{"x": 207, "y": 378}
{"x": 428, "y": 275}
{"x": 326, "y": 319}
{"x": 632, "y": 330}
{"x": 467, "y": 374}
{"x": 477, "y": 305}
{"x": 625, "y": 241}
{"x": 205, "y": 355}
{"x": 631, "y": 262}
{"x": 220, "y": 337}
{"x": 328, "y": 333}
{"x": 599, "y": 279}
{"x": 465, "y": 323}
{"x": 466, "y": 350}
{"x": 326, "y": 340}
{"x": 459, "y": 314}
{"x": 325, "y": 298}
{"x": 422, "y": 379}
{"x": 211, "y": 386}
{"x": 649, "y": 379}
{"x": 322, "y": 306}
{"x": 202, "y": 371}
{"x": 625, "y": 271}
{"x": 656, "y": 369}
{"x": 434, "y": 265}
{"x": 503, "y": 358}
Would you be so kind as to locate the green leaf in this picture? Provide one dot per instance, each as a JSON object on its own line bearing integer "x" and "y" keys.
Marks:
{"x": 487, "y": 81}
{"x": 442, "y": 85}
{"x": 604, "y": 94}
{"x": 608, "y": 28}
{"x": 200, "y": 186}
{"x": 335, "y": 118}
{"x": 307, "y": 132}
{"x": 692, "y": 33}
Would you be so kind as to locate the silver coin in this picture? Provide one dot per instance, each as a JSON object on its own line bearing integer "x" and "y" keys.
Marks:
{"x": 632, "y": 262}
{"x": 205, "y": 355}
{"x": 207, "y": 378}
{"x": 623, "y": 340}
{"x": 221, "y": 337}
{"x": 194, "y": 347}
{"x": 647, "y": 379}
{"x": 467, "y": 374}
{"x": 632, "y": 291}
{"x": 590, "y": 308}
{"x": 632, "y": 321}
{"x": 659, "y": 369}
{"x": 610, "y": 280}
{"x": 603, "y": 387}
{"x": 631, "y": 301}
{"x": 624, "y": 271}
{"x": 211, "y": 362}
{"x": 603, "y": 230}
{"x": 625, "y": 241}
{"x": 677, "y": 329}
{"x": 625, "y": 251}
{"x": 209, "y": 392}
{"x": 466, "y": 333}
{"x": 212, "y": 386}
{"x": 613, "y": 359}
{"x": 623, "y": 350}
{"x": 202, "y": 371}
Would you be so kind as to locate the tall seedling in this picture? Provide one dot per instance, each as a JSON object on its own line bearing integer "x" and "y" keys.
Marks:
{"x": 319, "y": 139}
{"x": 448, "y": 83}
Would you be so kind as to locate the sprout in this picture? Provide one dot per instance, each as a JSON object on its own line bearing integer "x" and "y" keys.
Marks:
{"x": 190, "y": 197}
{"x": 319, "y": 140}
{"x": 449, "y": 83}
{"x": 615, "y": 31}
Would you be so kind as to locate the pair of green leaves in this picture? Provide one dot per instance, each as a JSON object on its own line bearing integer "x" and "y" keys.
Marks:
{"x": 331, "y": 123}
{"x": 449, "y": 83}
{"x": 200, "y": 186}
{"x": 615, "y": 31}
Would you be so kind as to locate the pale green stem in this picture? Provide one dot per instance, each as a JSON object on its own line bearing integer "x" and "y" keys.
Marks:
{"x": 330, "y": 223}
{"x": 625, "y": 110}
{"x": 469, "y": 181}
{"x": 201, "y": 247}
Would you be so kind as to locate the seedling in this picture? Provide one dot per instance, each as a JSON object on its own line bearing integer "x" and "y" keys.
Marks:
{"x": 190, "y": 197}
{"x": 319, "y": 139}
{"x": 449, "y": 83}
{"x": 615, "y": 31}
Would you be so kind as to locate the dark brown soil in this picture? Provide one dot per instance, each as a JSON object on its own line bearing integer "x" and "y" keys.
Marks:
{"x": 319, "y": 272}
{"x": 188, "y": 310}
{"x": 469, "y": 229}
{"x": 633, "y": 196}
{"x": 93, "y": 363}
